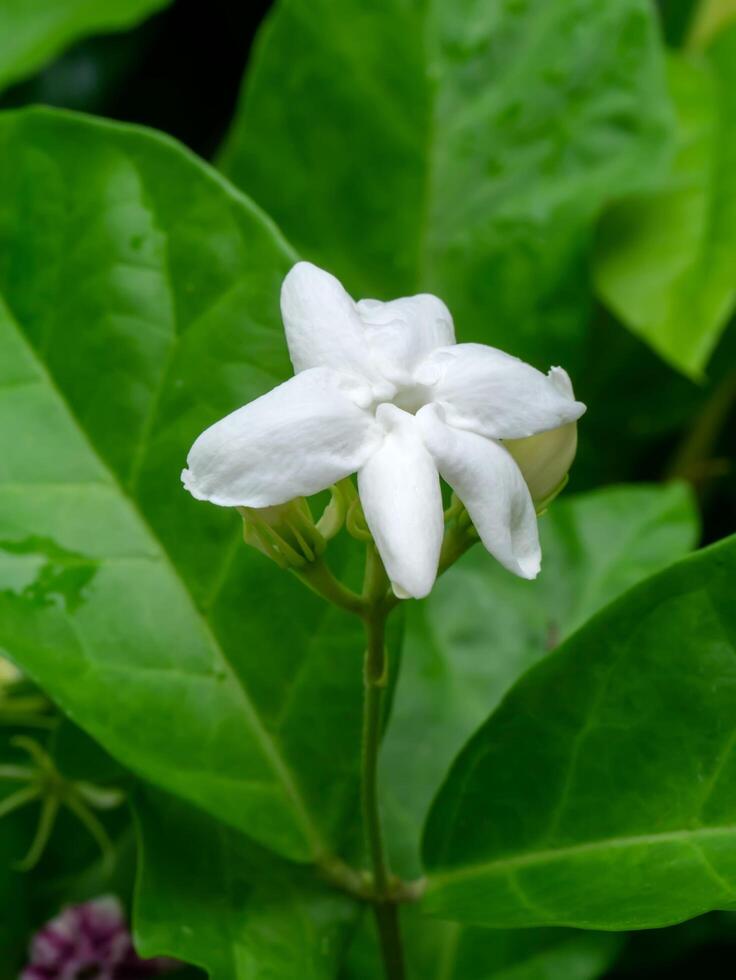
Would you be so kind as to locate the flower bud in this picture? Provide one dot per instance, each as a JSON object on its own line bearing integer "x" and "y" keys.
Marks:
{"x": 544, "y": 461}
{"x": 285, "y": 533}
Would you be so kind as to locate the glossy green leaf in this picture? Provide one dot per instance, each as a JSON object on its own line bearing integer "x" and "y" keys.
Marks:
{"x": 140, "y": 305}
{"x": 32, "y": 32}
{"x": 602, "y": 792}
{"x": 665, "y": 261}
{"x": 482, "y": 628}
{"x": 463, "y": 148}
{"x": 208, "y": 896}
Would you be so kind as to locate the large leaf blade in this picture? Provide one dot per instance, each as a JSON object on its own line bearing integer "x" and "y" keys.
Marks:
{"x": 60, "y": 573}
{"x": 469, "y": 156}
{"x": 230, "y": 907}
{"x": 141, "y": 304}
{"x": 618, "y": 809}
{"x": 482, "y": 628}
{"x": 664, "y": 261}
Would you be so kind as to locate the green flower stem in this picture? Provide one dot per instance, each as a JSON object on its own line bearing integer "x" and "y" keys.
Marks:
{"x": 375, "y": 679}
{"x": 384, "y": 891}
{"x": 343, "y": 876}
{"x": 386, "y": 915}
{"x": 317, "y": 576}
{"x": 374, "y": 687}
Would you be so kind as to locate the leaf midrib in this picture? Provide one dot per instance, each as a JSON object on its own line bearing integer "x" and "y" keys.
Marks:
{"x": 279, "y": 765}
{"x": 529, "y": 859}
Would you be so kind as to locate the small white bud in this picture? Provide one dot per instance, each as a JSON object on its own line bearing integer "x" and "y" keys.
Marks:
{"x": 544, "y": 460}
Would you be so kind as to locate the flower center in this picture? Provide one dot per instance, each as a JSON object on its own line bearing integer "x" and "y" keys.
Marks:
{"x": 410, "y": 398}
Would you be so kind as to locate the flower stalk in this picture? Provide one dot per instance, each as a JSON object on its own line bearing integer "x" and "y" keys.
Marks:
{"x": 375, "y": 678}
{"x": 375, "y": 682}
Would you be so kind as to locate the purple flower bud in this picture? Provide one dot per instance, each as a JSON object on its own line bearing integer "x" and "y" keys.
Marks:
{"x": 91, "y": 941}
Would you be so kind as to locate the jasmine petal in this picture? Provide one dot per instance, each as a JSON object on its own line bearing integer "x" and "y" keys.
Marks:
{"x": 297, "y": 439}
{"x": 485, "y": 477}
{"x": 402, "y": 332}
{"x": 400, "y": 492}
{"x": 497, "y": 395}
{"x": 322, "y": 324}
{"x": 544, "y": 459}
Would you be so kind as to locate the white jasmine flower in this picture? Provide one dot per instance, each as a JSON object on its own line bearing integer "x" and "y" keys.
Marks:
{"x": 384, "y": 391}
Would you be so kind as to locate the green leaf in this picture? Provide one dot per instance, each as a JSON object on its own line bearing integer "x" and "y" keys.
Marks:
{"x": 32, "y": 32}
{"x": 601, "y": 793}
{"x": 664, "y": 261}
{"x": 459, "y": 147}
{"x": 208, "y": 896}
{"x": 467, "y": 953}
{"x": 140, "y": 305}
{"x": 451, "y": 951}
{"x": 482, "y": 628}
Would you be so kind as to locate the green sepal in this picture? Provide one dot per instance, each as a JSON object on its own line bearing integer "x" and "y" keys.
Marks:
{"x": 285, "y": 533}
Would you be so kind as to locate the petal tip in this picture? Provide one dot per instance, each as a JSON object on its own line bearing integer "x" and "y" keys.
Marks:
{"x": 418, "y": 591}
{"x": 303, "y": 274}
{"x": 561, "y": 380}
{"x": 190, "y": 484}
{"x": 400, "y": 592}
{"x": 187, "y": 479}
{"x": 302, "y": 267}
{"x": 529, "y": 566}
